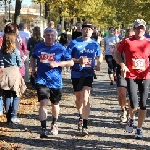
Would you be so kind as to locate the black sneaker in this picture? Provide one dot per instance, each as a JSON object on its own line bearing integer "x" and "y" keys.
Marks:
{"x": 111, "y": 83}
{"x": 85, "y": 131}
{"x": 138, "y": 134}
{"x": 80, "y": 123}
{"x": 44, "y": 133}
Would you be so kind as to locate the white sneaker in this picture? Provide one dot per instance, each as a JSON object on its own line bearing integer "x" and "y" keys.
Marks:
{"x": 15, "y": 120}
{"x": 130, "y": 125}
{"x": 1, "y": 113}
{"x": 123, "y": 117}
{"x": 54, "y": 129}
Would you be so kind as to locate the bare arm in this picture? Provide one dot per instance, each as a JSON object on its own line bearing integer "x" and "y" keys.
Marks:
{"x": 33, "y": 63}
{"x": 99, "y": 59}
{"x": 67, "y": 63}
{"x": 118, "y": 59}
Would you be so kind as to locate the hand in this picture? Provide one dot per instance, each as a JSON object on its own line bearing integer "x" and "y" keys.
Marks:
{"x": 97, "y": 68}
{"x": 124, "y": 70}
{"x": 54, "y": 64}
{"x": 83, "y": 60}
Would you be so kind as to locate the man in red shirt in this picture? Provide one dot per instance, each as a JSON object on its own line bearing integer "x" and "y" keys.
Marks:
{"x": 136, "y": 72}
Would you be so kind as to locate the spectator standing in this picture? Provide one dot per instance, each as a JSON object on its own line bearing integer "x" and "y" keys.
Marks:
{"x": 12, "y": 84}
{"x": 35, "y": 39}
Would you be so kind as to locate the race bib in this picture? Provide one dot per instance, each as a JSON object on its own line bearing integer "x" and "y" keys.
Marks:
{"x": 89, "y": 63}
{"x": 46, "y": 57}
{"x": 111, "y": 47}
{"x": 138, "y": 64}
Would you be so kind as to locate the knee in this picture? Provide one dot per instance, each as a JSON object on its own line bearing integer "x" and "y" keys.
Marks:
{"x": 142, "y": 107}
{"x": 121, "y": 96}
{"x": 43, "y": 103}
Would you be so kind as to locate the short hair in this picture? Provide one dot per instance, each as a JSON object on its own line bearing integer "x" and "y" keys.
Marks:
{"x": 22, "y": 25}
{"x": 87, "y": 22}
{"x": 111, "y": 28}
{"x": 50, "y": 30}
{"x": 78, "y": 22}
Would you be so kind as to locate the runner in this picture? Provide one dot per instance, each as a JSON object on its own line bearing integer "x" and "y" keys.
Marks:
{"x": 83, "y": 51}
{"x": 122, "y": 86}
{"x": 136, "y": 71}
{"x": 78, "y": 32}
{"x": 51, "y": 57}
{"x": 109, "y": 45}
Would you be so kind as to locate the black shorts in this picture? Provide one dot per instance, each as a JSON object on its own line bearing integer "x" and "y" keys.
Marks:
{"x": 44, "y": 92}
{"x": 87, "y": 82}
{"x": 121, "y": 82}
{"x": 112, "y": 66}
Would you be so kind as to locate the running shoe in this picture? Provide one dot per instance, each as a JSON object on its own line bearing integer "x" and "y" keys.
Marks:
{"x": 130, "y": 125}
{"x": 111, "y": 82}
{"x": 80, "y": 123}
{"x": 123, "y": 117}
{"x": 54, "y": 129}
{"x": 44, "y": 133}
{"x": 85, "y": 131}
{"x": 15, "y": 120}
{"x": 138, "y": 134}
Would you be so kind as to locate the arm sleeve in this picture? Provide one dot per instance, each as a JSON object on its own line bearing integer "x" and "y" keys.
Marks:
{"x": 98, "y": 50}
{"x": 66, "y": 55}
{"x": 18, "y": 59}
{"x": 70, "y": 48}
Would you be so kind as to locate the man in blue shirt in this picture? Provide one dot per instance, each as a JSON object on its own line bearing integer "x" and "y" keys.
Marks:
{"x": 51, "y": 57}
{"x": 84, "y": 51}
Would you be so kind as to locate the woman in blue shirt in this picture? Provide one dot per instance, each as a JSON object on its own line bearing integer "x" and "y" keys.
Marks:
{"x": 12, "y": 83}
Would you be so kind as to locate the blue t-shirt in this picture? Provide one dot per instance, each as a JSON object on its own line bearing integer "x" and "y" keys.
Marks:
{"x": 79, "y": 48}
{"x": 51, "y": 77}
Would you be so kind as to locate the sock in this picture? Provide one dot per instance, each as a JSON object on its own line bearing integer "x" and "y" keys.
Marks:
{"x": 43, "y": 124}
{"x": 80, "y": 116}
{"x": 111, "y": 80}
{"x": 54, "y": 120}
{"x": 85, "y": 123}
{"x": 124, "y": 109}
{"x": 139, "y": 128}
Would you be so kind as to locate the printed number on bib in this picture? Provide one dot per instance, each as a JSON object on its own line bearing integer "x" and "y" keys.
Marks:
{"x": 46, "y": 57}
{"x": 89, "y": 63}
{"x": 138, "y": 64}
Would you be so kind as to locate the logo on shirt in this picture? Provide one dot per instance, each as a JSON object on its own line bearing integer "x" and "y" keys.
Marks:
{"x": 47, "y": 57}
{"x": 87, "y": 51}
{"x": 138, "y": 64}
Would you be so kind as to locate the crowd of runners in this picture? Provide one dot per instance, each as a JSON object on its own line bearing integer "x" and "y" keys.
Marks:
{"x": 78, "y": 53}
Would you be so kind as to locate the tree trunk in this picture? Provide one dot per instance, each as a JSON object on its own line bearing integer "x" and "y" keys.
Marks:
{"x": 17, "y": 12}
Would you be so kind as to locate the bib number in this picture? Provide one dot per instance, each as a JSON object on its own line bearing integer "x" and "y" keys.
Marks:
{"x": 138, "y": 64}
{"x": 89, "y": 63}
{"x": 47, "y": 58}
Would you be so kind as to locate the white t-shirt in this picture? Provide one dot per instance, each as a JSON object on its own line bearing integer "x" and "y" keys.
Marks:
{"x": 110, "y": 43}
{"x": 25, "y": 35}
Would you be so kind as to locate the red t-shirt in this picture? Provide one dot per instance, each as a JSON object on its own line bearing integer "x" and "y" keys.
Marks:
{"x": 137, "y": 53}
